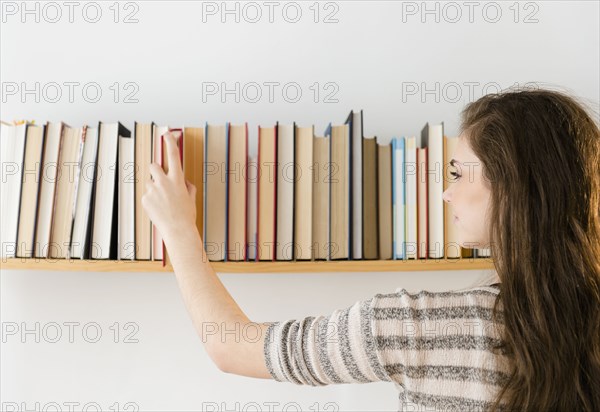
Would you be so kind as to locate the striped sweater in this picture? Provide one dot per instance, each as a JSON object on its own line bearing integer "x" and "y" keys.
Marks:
{"x": 436, "y": 347}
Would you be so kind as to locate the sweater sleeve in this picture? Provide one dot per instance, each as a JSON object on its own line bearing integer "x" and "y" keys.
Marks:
{"x": 321, "y": 350}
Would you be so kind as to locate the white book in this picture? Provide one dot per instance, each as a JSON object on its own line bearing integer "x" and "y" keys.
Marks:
{"x": 398, "y": 187}
{"x": 126, "y": 220}
{"x": 12, "y": 152}
{"x": 432, "y": 136}
{"x": 105, "y": 226}
{"x": 82, "y": 135}
{"x": 410, "y": 170}
{"x": 47, "y": 188}
{"x": 285, "y": 193}
{"x": 252, "y": 207}
{"x": 81, "y": 225}
{"x": 486, "y": 252}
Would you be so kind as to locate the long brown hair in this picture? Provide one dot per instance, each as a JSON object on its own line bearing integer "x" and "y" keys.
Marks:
{"x": 540, "y": 155}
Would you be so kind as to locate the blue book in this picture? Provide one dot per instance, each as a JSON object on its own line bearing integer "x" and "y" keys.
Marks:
{"x": 398, "y": 199}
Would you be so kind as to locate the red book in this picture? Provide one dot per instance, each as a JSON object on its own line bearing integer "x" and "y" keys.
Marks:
{"x": 165, "y": 166}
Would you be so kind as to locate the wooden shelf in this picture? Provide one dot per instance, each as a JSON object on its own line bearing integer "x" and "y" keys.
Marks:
{"x": 254, "y": 267}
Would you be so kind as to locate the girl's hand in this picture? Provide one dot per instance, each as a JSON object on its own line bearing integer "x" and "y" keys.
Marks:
{"x": 170, "y": 200}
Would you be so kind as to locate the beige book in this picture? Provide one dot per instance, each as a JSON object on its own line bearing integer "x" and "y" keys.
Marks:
{"x": 60, "y": 233}
{"x": 215, "y": 192}
{"x": 320, "y": 200}
{"x": 193, "y": 168}
{"x": 34, "y": 145}
{"x": 47, "y": 188}
{"x": 238, "y": 167}
{"x": 303, "y": 193}
{"x": 451, "y": 245}
{"x": 384, "y": 186}
{"x": 370, "y": 201}
{"x": 267, "y": 172}
{"x": 340, "y": 192}
{"x": 143, "y": 158}
{"x": 284, "y": 237}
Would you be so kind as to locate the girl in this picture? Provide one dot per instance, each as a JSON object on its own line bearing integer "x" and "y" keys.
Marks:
{"x": 526, "y": 185}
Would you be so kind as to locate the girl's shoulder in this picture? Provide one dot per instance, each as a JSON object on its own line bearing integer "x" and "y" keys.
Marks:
{"x": 482, "y": 296}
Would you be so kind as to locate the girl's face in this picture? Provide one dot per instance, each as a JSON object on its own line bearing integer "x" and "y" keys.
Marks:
{"x": 468, "y": 197}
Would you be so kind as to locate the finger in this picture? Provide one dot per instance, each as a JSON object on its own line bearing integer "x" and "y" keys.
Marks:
{"x": 156, "y": 172}
{"x": 172, "y": 137}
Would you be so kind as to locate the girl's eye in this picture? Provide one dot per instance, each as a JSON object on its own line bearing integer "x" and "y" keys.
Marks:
{"x": 455, "y": 175}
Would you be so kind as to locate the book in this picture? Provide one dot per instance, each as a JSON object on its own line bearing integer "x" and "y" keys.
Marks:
{"x": 106, "y": 192}
{"x": 422, "y": 209}
{"x": 34, "y": 145}
{"x": 452, "y": 248}
{"x": 410, "y": 173}
{"x": 164, "y": 163}
{"x": 355, "y": 127}
{"x": 49, "y": 173}
{"x": 267, "y": 192}
{"x": 398, "y": 198}
{"x": 126, "y": 196}
{"x": 252, "y": 241}
{"x": 321, "y": 198}
{"x": 303, "y": 193}
{"x": 156, "y": 251}
{"x": 143, "y": 138}
{"x": 215, "y": 190}
{"x": 193, "y": 168}
{"x": 12, "y": 154}
{"x": 284, "y": 246}
{"x": 369, "y": 199}
{"x": 79, "y": 247}
{"x": 77, "y": 180}
{"x": 432, "y": 138}
{"x": 384, "y": 200}
{"x": 238, "y": 192}
{"x": 65, "y": 196}
{"x": 339, "y": 209}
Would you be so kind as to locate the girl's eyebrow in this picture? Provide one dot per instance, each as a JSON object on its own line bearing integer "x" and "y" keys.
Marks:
{"x": 453, "y": 161}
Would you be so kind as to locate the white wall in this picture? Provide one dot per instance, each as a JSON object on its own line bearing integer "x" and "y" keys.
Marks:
{"x": 374, "y": 54}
